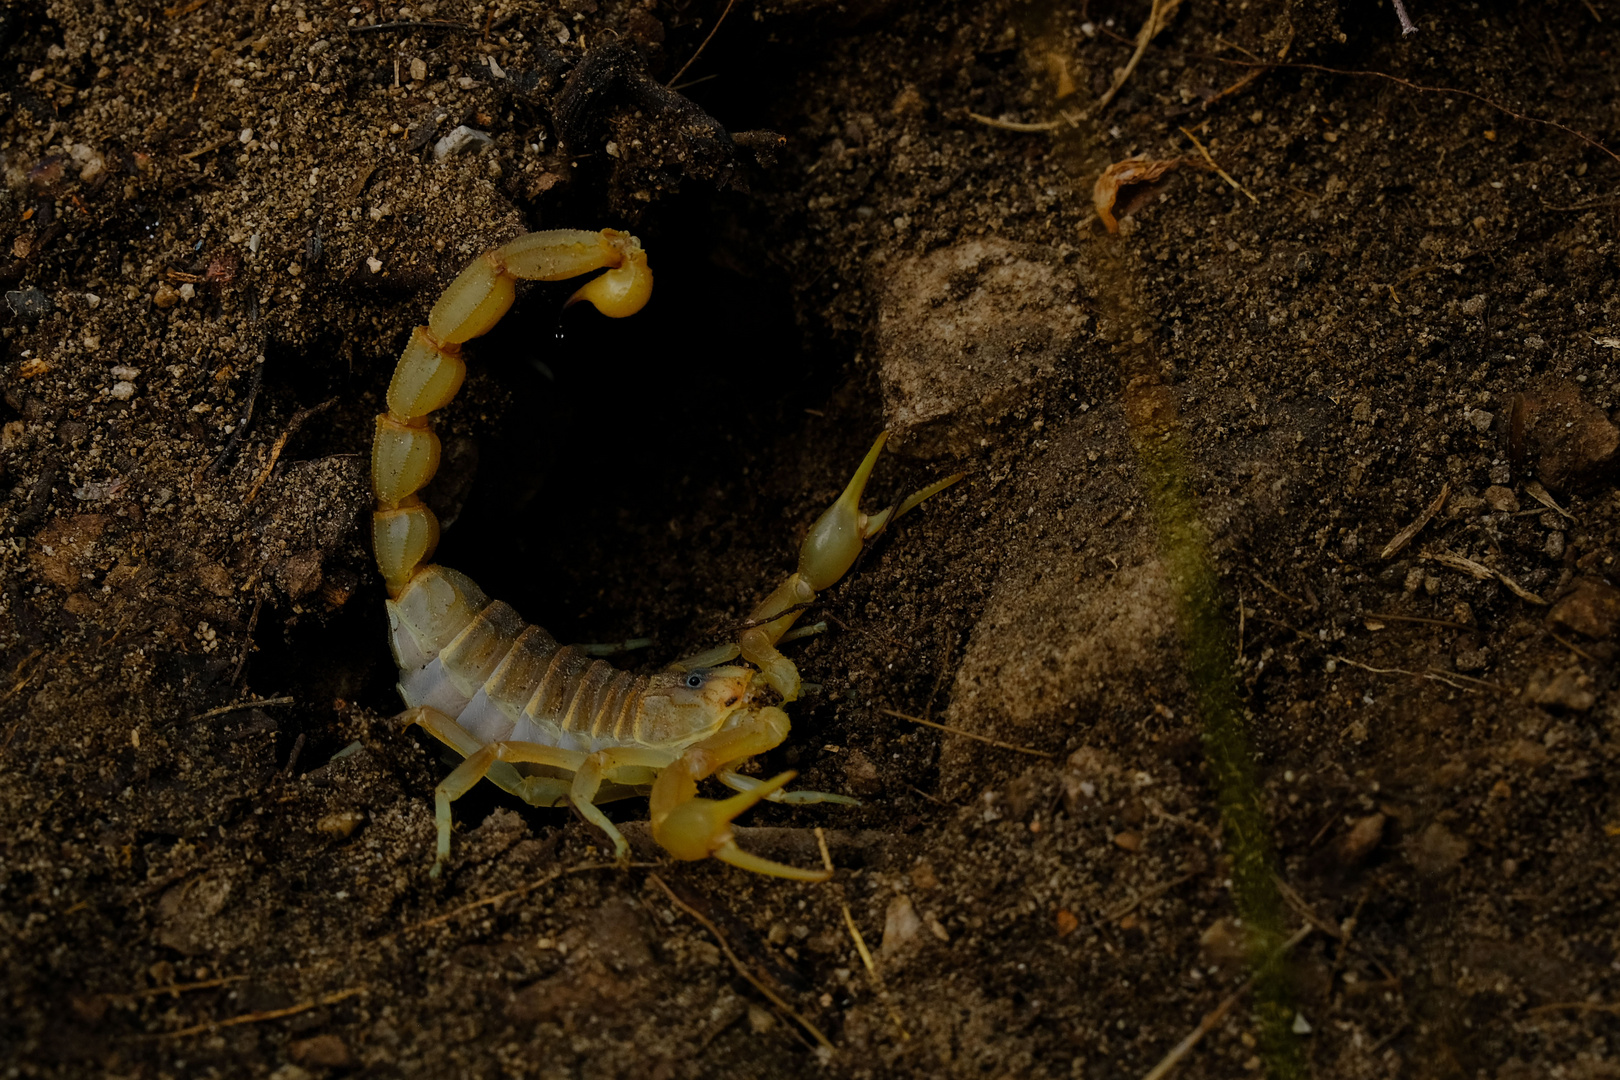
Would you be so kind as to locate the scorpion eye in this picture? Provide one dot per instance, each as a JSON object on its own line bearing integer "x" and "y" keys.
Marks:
{"x": 694, "y": 680}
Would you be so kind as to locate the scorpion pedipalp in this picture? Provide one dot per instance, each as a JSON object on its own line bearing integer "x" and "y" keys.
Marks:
{"x": 830, "y": 548}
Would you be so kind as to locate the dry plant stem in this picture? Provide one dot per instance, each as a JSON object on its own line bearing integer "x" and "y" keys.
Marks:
{"x": 1213, "y": 1019}
{"x": 508, "y": 894}
{"x": 1151, "y": 894}
{"x": 1297, "y": 902}
{"x": 1155, "y": 22}
{"x": 754, "y": 980}
{"x": 293, "y": 425}
{"x": 967, "y": 734}
{"x": 1424, "y": 89}
{"x": 1574, "y": 648}
{"x": 1404, "y": 537}
{"x": 1013, "y": 125}
{"x": 860, "y": 942}
{"x": 185, "y": 9}
{"x": 1415, "y": 619}
{"x": 715, "y": 29}
{"x": 258, "y": 1017}
{"x": 1234, "y": 88}
{"x": 1431, "y": 674}
{"x": 179, "y": 988}
{"x": 253, "y": 703}
{"x": 1484, "y": 573}
{"x": 1541, "y": 495}
{"x": 1218, "y": 170}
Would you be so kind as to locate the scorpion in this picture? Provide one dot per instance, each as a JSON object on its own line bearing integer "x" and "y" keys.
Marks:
{"x": 548, "y": 723}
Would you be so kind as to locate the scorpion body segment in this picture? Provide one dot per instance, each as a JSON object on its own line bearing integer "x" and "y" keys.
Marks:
{"x": 550, "y": 723}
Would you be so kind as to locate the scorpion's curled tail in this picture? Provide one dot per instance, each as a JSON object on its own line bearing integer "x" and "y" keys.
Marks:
{"x": 404, "y": 451}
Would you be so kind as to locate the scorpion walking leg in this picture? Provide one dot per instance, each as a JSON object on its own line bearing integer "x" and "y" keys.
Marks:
{"x": 588, "y": 781}
{"x": 463, "y": 742}
{"x": 534, "y": 790}
{"x": 738, "y": 782}
{"x": 482, "y": 763}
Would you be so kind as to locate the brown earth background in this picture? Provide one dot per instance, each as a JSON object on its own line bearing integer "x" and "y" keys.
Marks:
{"x": 1189, "y": 447}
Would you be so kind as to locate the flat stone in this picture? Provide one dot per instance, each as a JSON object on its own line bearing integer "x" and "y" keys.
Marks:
{"x": 968, "y": 334}
{"x": 1571, "y": 438}
{"x": 1591, "y": 608}
{"x": 326, "y": 1051}
{"x": 1569, "y": 689}
{"x": 1436, "y": 850}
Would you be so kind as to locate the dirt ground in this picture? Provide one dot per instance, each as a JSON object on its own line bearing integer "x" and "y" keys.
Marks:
{"x": 1230, "y": 694}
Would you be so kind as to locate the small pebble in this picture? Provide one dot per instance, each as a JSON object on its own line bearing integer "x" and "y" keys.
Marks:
{"x": 341, "y": 824}
{"x": 462, "y": 140}
{"x": 374, "y": 264}
{"x": 1502, "y": 499}
{"x": 166, "y": 296}
{"x": 123, "y": 390}
{"x": 418, "y": 69}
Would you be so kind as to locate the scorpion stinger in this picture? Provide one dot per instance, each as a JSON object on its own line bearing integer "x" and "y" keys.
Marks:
{"x": 550, "y": 723}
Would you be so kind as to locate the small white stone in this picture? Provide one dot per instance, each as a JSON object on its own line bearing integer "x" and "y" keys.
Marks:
{"x": 123, "y": 391}
{"x": 187, "y": 291}
{"x": 462, "y": 140}
{"x": 125, "y": 372}
{"x": 374, "y": 264}
{"x": 1301, "y": 1026}
{"x": 246, "y": 136}
{"x": 418, "y": 69}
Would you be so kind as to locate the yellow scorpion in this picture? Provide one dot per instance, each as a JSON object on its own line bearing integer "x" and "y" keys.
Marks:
{"x": 548, "y": 723}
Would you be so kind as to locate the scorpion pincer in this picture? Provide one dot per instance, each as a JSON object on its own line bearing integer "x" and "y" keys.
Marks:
{"x": 549, "y": 723}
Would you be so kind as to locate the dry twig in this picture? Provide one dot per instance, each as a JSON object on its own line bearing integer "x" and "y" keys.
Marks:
{"x": 860, "y": 942}
{"x": 742, "y": 969}
{"x": 1215, "y": 1016}
{"x": 262, "y": 1015}
{"x": 293, "y": 425}
{"x": 713, "y": 30}
{"x": 1404, "y": 537}
{"x": 1013, "y": 125}
{"x": 255, "y": 703}
{"x": 967, "y": 734}
{"x": 1158, "y": 18}
{"x": 1220, "y": 172}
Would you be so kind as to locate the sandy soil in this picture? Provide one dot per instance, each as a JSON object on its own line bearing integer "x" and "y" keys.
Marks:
{"x": 1221, "y": 710}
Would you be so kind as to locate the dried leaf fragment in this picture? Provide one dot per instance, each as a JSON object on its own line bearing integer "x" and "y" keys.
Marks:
{"x": 1133, "y": 170}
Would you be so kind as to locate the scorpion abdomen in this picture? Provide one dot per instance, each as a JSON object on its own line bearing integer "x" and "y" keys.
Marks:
{"x": 475, "y": 659}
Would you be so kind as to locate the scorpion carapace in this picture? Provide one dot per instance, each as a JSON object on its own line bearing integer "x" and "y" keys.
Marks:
{"x": 546, "y": 722}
